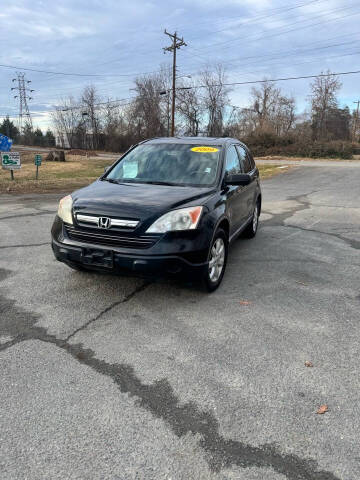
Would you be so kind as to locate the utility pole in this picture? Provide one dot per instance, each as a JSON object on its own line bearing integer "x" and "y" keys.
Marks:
{"x": 356, "y": 120}
{"x": 177, "y": 43}
{"x": 23, "y": 99}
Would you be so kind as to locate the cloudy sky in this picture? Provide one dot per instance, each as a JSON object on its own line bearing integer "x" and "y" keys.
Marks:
{"x": 107, "y": 43}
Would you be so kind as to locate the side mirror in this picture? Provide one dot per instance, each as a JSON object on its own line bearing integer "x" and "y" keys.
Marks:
{"x": 106, "y": 169}
{"x": 238, "y": 179}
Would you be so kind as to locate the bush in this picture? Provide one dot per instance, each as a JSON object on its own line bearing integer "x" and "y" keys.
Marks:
{"x": 266, "y": 144}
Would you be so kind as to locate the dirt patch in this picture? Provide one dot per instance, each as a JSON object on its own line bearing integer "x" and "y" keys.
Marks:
{"x": 82, "y": 153}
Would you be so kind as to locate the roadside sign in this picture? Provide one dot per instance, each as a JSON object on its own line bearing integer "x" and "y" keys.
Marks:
{"x": 10, "y": 160}
{"x": 5, "y": 143}
{"x": 37, "y": 162}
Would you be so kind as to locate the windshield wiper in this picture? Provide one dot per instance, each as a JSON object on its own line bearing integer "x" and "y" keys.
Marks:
{"x": 161, "y": 183}
{"x": 111, "y": 180}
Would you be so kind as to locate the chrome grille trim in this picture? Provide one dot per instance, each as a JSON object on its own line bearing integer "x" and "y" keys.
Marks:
{"x": 115, "y": 239}
{"x": 123, "y": 223}
{"x": 87, "y": 219}
{"x": 114, "y": 222}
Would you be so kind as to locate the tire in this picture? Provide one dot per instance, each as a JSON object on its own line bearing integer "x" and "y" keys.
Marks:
{"x": 251, "y": 229}
{"x": 218, "y": 253}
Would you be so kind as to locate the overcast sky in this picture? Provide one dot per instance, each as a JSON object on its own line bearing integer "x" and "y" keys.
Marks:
{"x": 118, "y": 40}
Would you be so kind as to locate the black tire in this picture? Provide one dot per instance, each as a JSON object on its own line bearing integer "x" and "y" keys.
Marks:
{"x": 212, "y": 280}
{"x": 251, "y": 229}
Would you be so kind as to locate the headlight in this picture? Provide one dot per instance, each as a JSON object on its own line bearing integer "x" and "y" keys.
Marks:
{"x": 64, "y": 210}
{"x": 182, "y": 219}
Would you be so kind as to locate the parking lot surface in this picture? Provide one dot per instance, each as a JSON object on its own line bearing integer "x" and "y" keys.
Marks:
{"x": 105, "y": 377}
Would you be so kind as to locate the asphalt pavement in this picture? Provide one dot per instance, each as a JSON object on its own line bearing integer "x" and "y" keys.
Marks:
{"x": 110, "y": 378}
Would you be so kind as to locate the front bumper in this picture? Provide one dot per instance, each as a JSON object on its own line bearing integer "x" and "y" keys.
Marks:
{"x": 133, "y": 264}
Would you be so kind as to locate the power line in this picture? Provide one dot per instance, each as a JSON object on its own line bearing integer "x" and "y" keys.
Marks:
{"x": 280, "y": 32}
{"x": 78, "y": 74}
{"x": 269, "y": 80}
{"x": 256, "y": 19}
{"x": 251, "y": 20}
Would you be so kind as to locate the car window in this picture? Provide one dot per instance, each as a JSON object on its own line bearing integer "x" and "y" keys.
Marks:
{"x": 169, "y": 163}
{"x": 252, "y": 161}
{"x": 244, "y": 159}
{"x": 232, "y": 165}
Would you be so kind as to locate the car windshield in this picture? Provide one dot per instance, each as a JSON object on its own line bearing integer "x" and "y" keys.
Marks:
{"x": 168, "y": 164}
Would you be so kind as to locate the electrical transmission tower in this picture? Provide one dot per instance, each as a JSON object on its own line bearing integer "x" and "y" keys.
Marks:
{"x": 23, "y": 96}
{"x": 176, "y": 44}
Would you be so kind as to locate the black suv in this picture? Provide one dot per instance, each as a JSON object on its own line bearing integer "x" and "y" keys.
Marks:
{"x": 167, "y": 206}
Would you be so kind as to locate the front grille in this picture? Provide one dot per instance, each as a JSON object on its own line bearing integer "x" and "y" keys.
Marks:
{"x": 90, "y": 235}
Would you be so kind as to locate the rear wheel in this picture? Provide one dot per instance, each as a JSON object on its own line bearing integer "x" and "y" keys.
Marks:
{"x": 217, "y": 261}
{"x": 251, "y": 229}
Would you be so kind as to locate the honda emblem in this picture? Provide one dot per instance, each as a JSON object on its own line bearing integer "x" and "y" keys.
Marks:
{"x": 104, "y": 222}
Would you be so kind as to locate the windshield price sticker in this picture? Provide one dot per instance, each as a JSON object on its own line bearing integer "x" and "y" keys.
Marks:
{"x": 204, "y": 149}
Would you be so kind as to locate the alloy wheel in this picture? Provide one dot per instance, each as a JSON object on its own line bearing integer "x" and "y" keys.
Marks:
{"x": 217, "y": 260}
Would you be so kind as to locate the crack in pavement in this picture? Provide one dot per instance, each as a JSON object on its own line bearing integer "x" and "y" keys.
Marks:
{"x": 107, "y": 309}
{"x": 279, "y": 219}
{"x": 25, "y": 245}
{"x": 352, "y": 243}
{"x": 42, "y": 212}
{"x": 160, "y": 400}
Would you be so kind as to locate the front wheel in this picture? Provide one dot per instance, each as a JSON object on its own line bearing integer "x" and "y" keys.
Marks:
{"x": 217, "y": 261}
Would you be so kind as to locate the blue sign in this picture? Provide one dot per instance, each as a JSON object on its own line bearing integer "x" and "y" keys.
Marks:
{"x": 5, "y": 143}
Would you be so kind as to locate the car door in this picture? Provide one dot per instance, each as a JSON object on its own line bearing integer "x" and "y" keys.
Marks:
{"x": 236, "y": 201}
{"x": 249, "y": 191}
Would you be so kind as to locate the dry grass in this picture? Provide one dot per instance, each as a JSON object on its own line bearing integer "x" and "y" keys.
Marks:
{"x": 76, "y": 172}
{"x": 270, "y": 170}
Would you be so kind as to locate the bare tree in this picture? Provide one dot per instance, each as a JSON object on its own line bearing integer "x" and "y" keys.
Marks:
{"x": 284, "y": 115}
{"x": 190, "y": 108}
{"x": 323, "y": 99}
{"x": 271, "y": 111}
{"x": 215, "y": 98}
{"x": 66, "y": 119}
{"x": 147, "y": 108}
{"x": 90, "y": 112}
{"x": 264, "y": 100}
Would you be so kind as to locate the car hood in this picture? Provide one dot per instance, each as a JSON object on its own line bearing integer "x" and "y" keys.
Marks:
{"x": 138, "y": 201}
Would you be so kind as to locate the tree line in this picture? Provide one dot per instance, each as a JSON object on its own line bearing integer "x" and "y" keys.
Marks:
{"x": 203, "y": 107}
{"x": 270, "y": 124}
{"x": 29, "y": 135}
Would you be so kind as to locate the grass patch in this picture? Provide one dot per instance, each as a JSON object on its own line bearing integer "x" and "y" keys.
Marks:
{"x": 76, "y": 172}
{"x": 270, "y": 170}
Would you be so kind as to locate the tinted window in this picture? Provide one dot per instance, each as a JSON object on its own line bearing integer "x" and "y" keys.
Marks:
{"x": 251, "y": 161}
{"x": 172, "y": 163}
{"x": 232, "y": 164}
{"x": 244, "y": 158}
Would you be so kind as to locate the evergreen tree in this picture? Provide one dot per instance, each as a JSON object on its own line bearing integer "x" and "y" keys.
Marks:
{"x": 8, "y": 128}
{"x": 49, "y": 139}
{"x": 38, "y": 137}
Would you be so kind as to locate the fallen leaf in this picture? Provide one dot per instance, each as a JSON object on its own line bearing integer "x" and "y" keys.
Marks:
{"x": 308, "y": 364}
{"x": 244, "y": 302}
{"x": 322, "y": 409}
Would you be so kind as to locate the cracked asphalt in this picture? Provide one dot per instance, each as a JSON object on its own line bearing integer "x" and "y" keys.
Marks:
{"x": 104, "y": 377}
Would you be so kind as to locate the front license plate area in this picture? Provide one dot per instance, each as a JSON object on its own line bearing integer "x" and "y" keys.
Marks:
{"x": 98, "y": 258}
